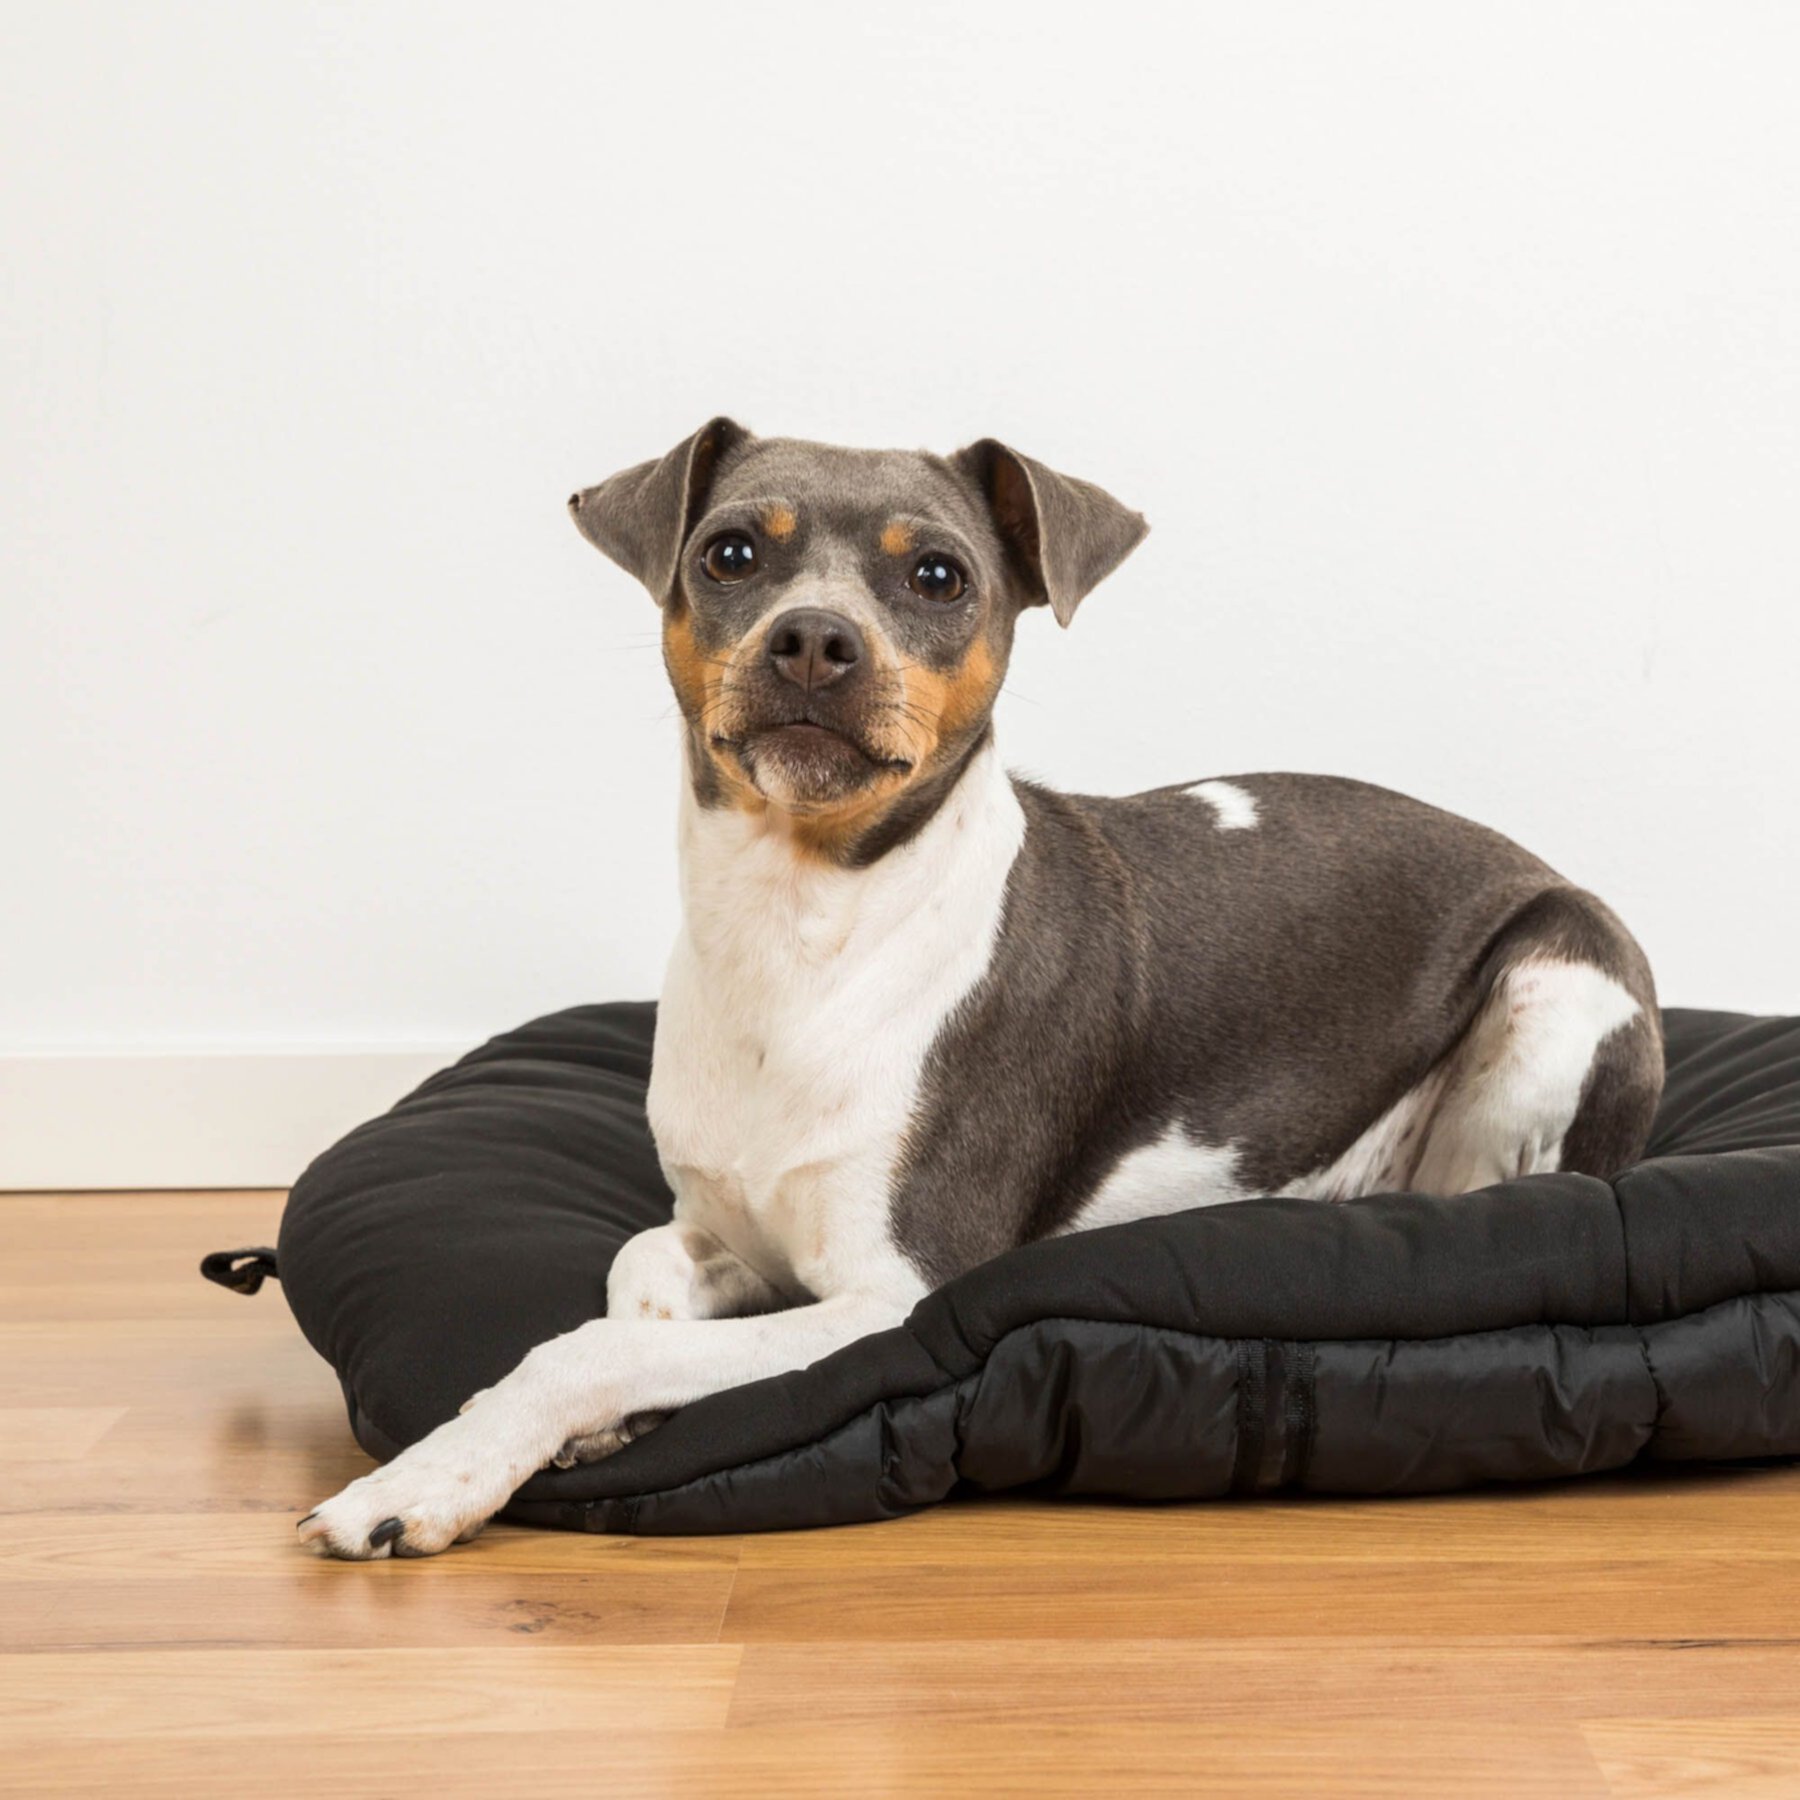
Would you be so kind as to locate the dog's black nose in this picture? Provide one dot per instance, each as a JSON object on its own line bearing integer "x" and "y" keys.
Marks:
{"x": 813, "y": 648}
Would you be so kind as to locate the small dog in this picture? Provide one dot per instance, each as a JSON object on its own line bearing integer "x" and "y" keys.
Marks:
{"x": 921, "y": 1012}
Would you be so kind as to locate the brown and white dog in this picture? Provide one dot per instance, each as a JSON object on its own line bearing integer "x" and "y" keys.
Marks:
{"x": 921, "y": 1012}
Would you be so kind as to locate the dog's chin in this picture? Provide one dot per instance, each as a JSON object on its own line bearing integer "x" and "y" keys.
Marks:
{"x": 811, "y": 768}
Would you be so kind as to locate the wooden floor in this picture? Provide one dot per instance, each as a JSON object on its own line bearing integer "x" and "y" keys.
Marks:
{"x": 161, "y": 1632}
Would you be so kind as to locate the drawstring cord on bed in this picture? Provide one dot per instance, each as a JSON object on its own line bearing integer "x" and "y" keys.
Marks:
{"x": 243, "y": 1271}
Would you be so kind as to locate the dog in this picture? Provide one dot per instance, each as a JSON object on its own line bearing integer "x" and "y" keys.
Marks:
{"x": 921, "y": 1011}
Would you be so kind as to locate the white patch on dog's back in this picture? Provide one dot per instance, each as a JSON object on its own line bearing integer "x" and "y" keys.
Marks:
{"x": 801, "y": 1002}
{"x": 1234, "y": 807}
{"x": 1173, "y": 1173}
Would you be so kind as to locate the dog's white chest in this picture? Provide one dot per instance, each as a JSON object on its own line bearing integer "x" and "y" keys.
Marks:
{"x": 771, "y": 1131}
{"x": 801, "y": 1003}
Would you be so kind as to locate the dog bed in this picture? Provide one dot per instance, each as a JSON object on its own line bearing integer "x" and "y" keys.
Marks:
{"x": 1551, "y": 1326}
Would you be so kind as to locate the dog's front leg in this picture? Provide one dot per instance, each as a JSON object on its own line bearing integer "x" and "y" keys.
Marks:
{"x": 673, "y": 1271}
{"x": 577, "y": 1386}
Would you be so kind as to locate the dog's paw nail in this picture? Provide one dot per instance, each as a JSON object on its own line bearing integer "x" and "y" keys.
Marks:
{"x": 307, "y": 1520}
{"x": 386, "y": 1533}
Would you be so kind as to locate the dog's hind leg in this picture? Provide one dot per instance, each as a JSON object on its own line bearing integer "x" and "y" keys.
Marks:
{"x": 1618, "y": 1101}
{"x": 1562, "y": 1066}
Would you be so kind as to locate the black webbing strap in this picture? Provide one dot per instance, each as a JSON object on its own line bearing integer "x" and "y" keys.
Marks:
{"x": 243, "y": 1271}
{"x": 1276, "y": 1415}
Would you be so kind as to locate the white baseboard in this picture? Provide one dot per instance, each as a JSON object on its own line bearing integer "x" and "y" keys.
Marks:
{"x": 182, "y": 1119}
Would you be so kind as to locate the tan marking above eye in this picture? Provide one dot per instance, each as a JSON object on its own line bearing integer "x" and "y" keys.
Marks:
{"x": 780, "y": 522}
{"x": 897, "y": 537}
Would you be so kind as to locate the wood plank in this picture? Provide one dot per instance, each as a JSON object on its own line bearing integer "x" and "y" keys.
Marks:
{"x": 184, "y": 1475}
{"x": 1385, "y": 1759}
{"x": 1745, "y": 1513}
{"x": 64, "y": 1231}
{"x": 1697, "y": 1598}
{"x": 305, "y": 1602}
{"x": 1062, "y": 1683}
{"x": 370, "y": 1694}
{"x": 204, "y": 1446}
{"x": 53, "y": 1433}
{"x": 178, "y": 1292}
{"x": 246, "y": 1548}
{"x": 1654, "y": 1758}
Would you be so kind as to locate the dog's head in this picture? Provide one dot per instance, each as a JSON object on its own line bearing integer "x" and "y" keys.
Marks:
{"x": 837, "y": 623}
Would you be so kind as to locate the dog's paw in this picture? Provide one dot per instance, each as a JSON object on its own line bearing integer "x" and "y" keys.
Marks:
{"x": 593, "y": 1446}
{"x": 655, "y": 1278}
{"x": 440, "y": 1492}
{"x": 384, "y": 1516}
{"x": 568, "y": 1392}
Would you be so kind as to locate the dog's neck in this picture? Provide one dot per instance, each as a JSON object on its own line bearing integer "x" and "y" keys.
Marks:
{"x": 754, "y": 899}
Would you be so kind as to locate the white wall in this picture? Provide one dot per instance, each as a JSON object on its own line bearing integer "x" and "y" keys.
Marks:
{"x": 1453, "y": 351}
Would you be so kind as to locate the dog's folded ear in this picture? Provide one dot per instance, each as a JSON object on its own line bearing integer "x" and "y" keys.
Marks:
{"x": 1068, "y": 535}
{"x": 641, "y": 516}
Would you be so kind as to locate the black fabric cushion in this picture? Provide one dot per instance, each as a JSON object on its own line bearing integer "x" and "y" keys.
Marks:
{"x": 1554, "y": 1325}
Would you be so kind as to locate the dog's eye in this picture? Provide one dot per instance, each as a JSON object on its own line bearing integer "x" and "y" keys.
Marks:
{"x": 730, "y": 557}
{"x": 936, "y": 577}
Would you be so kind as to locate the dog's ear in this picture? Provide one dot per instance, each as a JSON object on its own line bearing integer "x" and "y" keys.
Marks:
{"x": 1068, "y": 535}
{"x": 641, "y": 516}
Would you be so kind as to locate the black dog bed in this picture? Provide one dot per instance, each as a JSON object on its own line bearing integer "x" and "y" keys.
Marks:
{"x": 1554, "y": 1325}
